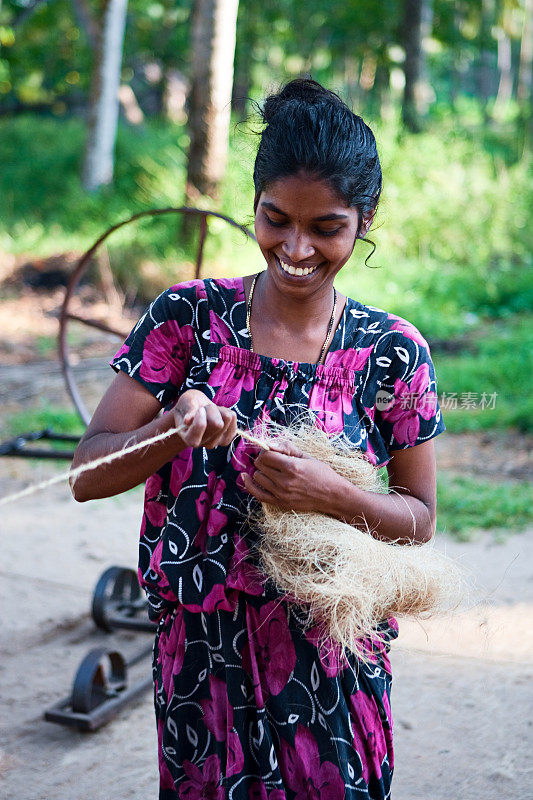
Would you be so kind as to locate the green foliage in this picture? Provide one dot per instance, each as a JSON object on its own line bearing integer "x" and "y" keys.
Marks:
{"x": 47, "y": 415}
{"x": 43, "y": 207}
{"x": 46, "y": 346}
{"x": 452, "y": 233}
{"x": 499, "y": 364}
{"x": 47, "y": 54}
{"x": 466, "y": 504}
{"x": 45, "y": 57}
{"x": 453, "y": 240}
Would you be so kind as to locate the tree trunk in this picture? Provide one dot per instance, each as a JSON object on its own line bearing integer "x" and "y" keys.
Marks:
{"x": 242, "y": 83}
{"x": 525, "y": 69}
{"x": 352, "y": 68}
{"x": 103, "y": 115}
{"x": 424, "y": 92}
{"x": 505, "y": 87}
{"x": 382, "y": 93}
{"x": 213, "y": 51}
{"x": 524, "y": 89}
{"x": 412, "y": 43}
{"x": 484, "y": 71}
{"x": 456, "y": 68}
{"x": 246, "y": 40}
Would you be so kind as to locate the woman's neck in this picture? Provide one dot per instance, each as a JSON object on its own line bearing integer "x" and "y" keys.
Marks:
{"x": 291, "y": 327}
{"x": 298, "y": 312}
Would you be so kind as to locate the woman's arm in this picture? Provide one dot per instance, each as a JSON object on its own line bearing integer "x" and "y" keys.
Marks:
{"x": 407, "y": 514}
{"x": 128, "y": 413}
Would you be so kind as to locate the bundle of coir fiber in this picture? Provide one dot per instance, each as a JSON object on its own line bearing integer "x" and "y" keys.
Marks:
{"x": 345, "y": 579}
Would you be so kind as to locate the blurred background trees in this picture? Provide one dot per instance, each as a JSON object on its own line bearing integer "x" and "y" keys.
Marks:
{"x": 445, "y": 84}
{"x": 106, "y": 36}
{"x": 108, "y": 108}
{"x": 209, "y": 103}
{"x": 417, "y": 56}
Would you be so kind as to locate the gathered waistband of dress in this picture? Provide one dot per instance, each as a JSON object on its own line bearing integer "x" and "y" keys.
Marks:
{"x": 165, "y": 611}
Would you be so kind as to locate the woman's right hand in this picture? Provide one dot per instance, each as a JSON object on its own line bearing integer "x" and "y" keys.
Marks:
{"x": 201, "y": 423}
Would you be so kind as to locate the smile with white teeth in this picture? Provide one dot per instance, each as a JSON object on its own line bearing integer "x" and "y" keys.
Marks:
{"x": 296, "y": 270}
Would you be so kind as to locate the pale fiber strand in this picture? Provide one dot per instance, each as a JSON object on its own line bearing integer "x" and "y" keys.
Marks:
{"x": 133, "y": 448}
{"x": 346, "y": 580}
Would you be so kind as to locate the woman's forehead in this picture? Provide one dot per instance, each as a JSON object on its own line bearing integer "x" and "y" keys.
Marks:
{"x": 304, "y": 193}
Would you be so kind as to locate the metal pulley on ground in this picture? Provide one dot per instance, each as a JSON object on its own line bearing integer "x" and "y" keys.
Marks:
{"x": 100, "y": 690}
{"x": 119, "y": 603}
{"x": 100, "y": 687}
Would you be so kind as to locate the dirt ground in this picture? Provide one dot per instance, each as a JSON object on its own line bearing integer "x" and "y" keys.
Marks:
{"x": 462, "y": 693}
{"x": 463, "y": 685}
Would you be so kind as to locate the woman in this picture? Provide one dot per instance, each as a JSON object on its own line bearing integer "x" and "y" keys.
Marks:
{"x": 246, "y": 704}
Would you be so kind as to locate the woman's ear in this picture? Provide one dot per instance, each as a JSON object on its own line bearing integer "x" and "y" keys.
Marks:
{"x": 366, "y": 222}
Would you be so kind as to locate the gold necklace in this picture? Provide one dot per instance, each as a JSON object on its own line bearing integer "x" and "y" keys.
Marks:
{"x": 330, "y": 326}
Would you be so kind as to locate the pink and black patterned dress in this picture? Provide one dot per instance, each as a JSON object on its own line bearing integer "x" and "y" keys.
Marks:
{"x": 247, "y": 706}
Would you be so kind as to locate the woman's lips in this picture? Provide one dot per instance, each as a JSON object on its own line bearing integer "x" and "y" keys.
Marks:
{"x": 298, "y": 271}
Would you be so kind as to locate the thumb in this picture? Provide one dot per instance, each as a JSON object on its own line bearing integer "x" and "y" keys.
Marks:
{"x": 189, "y": 403}
{"x": 287, "y": 448}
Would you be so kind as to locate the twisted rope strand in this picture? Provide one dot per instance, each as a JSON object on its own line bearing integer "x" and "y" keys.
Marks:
{"x": 74, "y": 473}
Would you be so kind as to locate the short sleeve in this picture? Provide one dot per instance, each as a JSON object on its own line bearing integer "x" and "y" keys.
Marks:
{"x": 407, "y": 406}
{"x": 158, "y": 350}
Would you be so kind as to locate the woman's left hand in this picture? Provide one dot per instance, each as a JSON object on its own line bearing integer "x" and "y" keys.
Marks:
{"x": 290, "y": 479}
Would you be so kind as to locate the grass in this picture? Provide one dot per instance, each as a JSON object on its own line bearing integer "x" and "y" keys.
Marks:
{"x": 46, "y": 346}
{"x": 453, "y": 230}
{"x": 466, "y": 504}
{"x": 59, "y": 419}
{"x": 454, "y": 255}
{"x": 495, "y": 375}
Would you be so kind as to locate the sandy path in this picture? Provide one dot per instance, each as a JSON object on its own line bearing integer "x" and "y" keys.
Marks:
{"x": 462, "y": 694}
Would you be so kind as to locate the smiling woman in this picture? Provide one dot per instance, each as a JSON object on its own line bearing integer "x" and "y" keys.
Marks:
{"x": 248, "y": 704}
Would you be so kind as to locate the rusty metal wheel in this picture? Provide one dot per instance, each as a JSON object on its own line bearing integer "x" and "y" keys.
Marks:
{"x": 101, "y": 676}
{"x": 68, "y": 315}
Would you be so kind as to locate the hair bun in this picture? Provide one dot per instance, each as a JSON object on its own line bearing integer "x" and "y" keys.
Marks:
{"x": 304, "y": 91}
{"x": 309, "y": 129}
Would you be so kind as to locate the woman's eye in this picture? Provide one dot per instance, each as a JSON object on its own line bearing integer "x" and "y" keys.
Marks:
{"x": 273, "y": 223}
{"x": 282, "y": 223}
{"x": 329, "y": 233}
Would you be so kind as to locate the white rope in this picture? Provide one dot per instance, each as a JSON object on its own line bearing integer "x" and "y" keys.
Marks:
{"x": 73, "y": 473}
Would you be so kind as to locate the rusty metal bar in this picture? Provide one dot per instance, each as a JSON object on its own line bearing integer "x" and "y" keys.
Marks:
{"x": 95, "y": 323}
{"x": 201, "y": 242}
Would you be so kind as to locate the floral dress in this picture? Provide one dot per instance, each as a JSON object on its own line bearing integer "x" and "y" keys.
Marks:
{"x": 247, "y": 706}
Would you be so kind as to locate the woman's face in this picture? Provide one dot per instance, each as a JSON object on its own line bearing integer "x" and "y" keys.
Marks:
{"x": 305, "y": 231}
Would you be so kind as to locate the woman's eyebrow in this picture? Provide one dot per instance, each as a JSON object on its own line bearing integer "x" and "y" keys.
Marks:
{"x": 325, "y": 218}
{"x": 272, "y": 207}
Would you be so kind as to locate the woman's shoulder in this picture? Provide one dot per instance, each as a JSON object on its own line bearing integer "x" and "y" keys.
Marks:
{"x": 210, "y": 289}
{"x": 382, "y": 324}
{"x": 187, "y": 289}
{"x": 230, "y": 289}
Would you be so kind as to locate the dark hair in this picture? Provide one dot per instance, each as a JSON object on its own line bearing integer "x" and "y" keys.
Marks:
{"x": 310, "y": 128}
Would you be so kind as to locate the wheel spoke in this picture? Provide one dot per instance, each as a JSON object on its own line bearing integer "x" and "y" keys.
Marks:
{"x": 95, "y": 323}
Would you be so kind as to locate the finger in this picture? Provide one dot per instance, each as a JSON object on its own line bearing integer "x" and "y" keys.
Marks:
{"x": 230, "y": 426}
{"x": 195, "y": 431}
{"x": 274, "y": 460}
{"x": 286, "y": 448}
{"x": 225, "y": 434}
{"x": 214, "y": 427}
{"x": 185, "y": 416}
{"x": 275, "y": 474}
{"x": 266, "y": 483}
{"x": 215, "y": 422}
{"x": 188, "y": 405}
{"x": 258, "y": 492}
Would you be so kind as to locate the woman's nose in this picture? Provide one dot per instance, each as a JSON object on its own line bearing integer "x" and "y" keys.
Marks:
{"x": 298, "y": 247}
